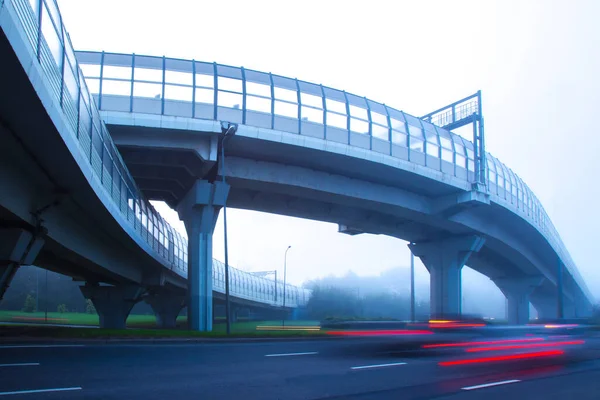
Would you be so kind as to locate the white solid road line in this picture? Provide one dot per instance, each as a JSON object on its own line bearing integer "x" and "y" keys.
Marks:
{"x": 491, "y": 384}
{"x": 39, "y": 391}
{"x": 379, "y": 365}
{"x": 19, "y": 365}
{"x": 39, "y": 346}
{"x": 291, "y": 354}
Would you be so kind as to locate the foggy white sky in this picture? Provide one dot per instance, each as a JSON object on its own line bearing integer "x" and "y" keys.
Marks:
{"x": 536, "y": 63}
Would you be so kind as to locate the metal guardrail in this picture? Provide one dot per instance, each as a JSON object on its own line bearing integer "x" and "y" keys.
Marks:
{"x": 194, "y": 89}
{"x": 42, "y": 24}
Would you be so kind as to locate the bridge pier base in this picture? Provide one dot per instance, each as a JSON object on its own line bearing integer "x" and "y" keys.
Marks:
{"x": 444, "y": 260}
{"x": 517, "y": 292}
{"x": 199, "y": 210}
{"x": 17, "y": 247}
{"x": 113, "y": 303}
{"x": 166, "y": 306}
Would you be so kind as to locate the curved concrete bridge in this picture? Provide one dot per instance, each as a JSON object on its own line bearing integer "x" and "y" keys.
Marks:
{"x": 141, "y": 127}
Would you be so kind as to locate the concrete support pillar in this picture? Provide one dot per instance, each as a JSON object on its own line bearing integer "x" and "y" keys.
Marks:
{"x": 113, "y": 303}
{"x": 517, "y": 292}
{"x": 199, "y": 210}
{"x": 444, "y": 260}
{"x": 7, "y": 273}
{"x": 544, "y": 303}
{"x": 17, "y": 247}
{"x": 166, "y": 306}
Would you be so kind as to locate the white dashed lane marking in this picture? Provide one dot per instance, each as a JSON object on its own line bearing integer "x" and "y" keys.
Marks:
{"x": 39, "y": 391}
{"x": 19, "y": 365}
{"x": 491, "y": 384}
{"x": 379, "y": 365}
{"x": 291, "y": 354}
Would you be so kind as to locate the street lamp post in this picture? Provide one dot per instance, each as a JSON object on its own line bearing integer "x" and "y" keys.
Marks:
{"x": 231, "y": 129}
{"x": 284, "y": 283}
{"x": 412, "y": 287}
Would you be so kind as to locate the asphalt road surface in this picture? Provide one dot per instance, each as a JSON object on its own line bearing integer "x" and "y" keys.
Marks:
{"x": 310, "y": 369}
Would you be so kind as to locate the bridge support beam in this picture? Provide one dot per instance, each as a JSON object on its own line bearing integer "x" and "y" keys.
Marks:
{"x": 517, "y": 292}
{"x": 113, "y": 303}
{"x": 199, "y": 210}
{"x": 166, "y": 306}
{"x": 444, "y": 259}
{"x": 17, "y": 247}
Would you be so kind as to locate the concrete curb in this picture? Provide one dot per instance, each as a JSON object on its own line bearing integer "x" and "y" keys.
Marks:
{"x": 21, "y": 341}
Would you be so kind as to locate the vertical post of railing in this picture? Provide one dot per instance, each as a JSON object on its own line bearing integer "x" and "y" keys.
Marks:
{"x": 62, "y": 67}
{"x": 132, "y": 80}
{"x": 162, "y": 97}
{"x": 406, "y": 130}
{"x": 272, "y": 101}
{"x": 453, "y": 153}
{"x": 215, "y": 90}
{"x": 39, "y": 27}
{"x": 193, "y": 88}
{"x": 299, "y": 107}
{"x": 243, "y": 95}
{"x": 347, "y": 115}
{"x": 91, "y": 114}
{"x": 370, "y": 123}
{"x": 425, "y": 141}
{"x": 324, "y": 105}
{"x": 389, "y": 121}
{"x": 482, "y": 154}
{"x": 476, "y": 149}
{"x": 78, "y": 99}
{"x": 101, "y": 80}
{"x": 559, "y": 289}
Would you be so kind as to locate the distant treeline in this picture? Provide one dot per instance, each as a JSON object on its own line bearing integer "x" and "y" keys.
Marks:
{"x": 337, "y": 302}
{"x": 386, "y": 296}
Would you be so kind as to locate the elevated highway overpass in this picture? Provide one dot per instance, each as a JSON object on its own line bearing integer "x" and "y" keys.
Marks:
{"x": 128, "y": 128}
{"x": 67, "y": 201}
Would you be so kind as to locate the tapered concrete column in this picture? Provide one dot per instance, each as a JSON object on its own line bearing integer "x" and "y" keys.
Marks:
{"x": 545, "y": 310}
{"x": 544, "y": 303}
{"x": 17, "y": 247}
{"x": 113, "y": 303}
{"x": 7, "y": 273}
{"x": 199, "y": 210}
{"x": 166, "y": 306}
{"x": 444, "y": 260}
{"x": 517, "y": 291}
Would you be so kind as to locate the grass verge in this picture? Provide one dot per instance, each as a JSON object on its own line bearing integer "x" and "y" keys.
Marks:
{"x": 94, "y": 333}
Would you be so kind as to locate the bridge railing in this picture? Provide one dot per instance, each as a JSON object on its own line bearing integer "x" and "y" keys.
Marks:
{"x": 51, "y": 46}
{"x": 194, "y": 89}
